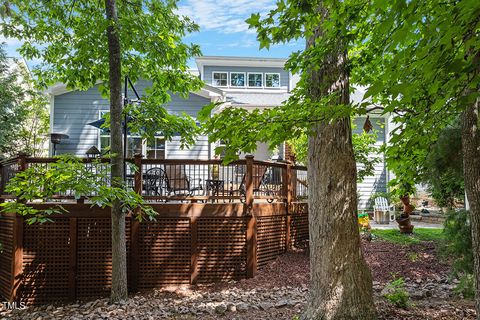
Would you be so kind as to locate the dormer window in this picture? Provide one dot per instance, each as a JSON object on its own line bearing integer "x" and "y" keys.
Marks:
{"x": 255, "y": 80}
{"x": 272, "y": 80}
{"x": 220, "y": 79}
{"x": 237, "y": 79}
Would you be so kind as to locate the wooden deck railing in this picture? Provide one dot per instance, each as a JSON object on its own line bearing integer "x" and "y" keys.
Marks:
{"x": 188, "y": 243}
{"x": 161, "y": 180}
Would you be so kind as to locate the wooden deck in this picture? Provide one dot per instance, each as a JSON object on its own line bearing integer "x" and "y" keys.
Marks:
{"x": 206, "y": 236}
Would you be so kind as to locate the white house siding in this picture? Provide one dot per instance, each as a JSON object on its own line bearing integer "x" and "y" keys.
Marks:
{"x": 74, "y": 110}
{"x": 378, "y": 182}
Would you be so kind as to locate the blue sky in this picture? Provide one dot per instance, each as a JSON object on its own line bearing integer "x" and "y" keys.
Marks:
{"x": 223, "y": 31}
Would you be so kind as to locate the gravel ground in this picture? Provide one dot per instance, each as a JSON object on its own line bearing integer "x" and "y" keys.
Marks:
{"x": 279, "y": 291}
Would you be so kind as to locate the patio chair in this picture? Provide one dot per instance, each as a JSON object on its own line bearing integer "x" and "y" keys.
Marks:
{"x": 382, "y": 207}
{"x": 154, "y": 182}
{"x": 260, "y": 184}
{"x": 177, "y": 182}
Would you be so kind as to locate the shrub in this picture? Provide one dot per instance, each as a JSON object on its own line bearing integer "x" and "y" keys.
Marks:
{"x": 458, "y": 246}
{"x": 443, "y": 168}
{"x": 396, "y": 293}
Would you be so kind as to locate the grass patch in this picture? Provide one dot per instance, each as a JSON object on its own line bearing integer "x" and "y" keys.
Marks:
{"x": 419, "y": 235}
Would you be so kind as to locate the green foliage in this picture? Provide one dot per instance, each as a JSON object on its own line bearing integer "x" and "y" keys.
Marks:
{"x": 466, "y": 287}
{"x": 13, "y": 113}
{"x": 68, "y": 175}
{"x": 70, "y": 39}
{"x": 25, "y": 120}
{"x": 363, "y": 147}
{"x": 289, "y": 20}
{"x": 397, "y": 294}
{"x": 413, "y": 256}
{"x": 444, "y": 167}
{"x": 419, "y": 235}
{"x": 418, "y": 60}
{"x": 366, "y": 154}
{"x": 458, "y": 246}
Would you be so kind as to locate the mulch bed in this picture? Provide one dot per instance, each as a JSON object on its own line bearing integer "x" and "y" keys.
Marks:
{"x": 289, "y": 273}
{"x": 387, "y": 261}
{"x": 417, "y": 261}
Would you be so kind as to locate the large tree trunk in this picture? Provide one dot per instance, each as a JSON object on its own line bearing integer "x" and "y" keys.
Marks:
{"x": 119, "y": 252}
{"x": 340, "y": 280}
{"x": 471, "y": 169}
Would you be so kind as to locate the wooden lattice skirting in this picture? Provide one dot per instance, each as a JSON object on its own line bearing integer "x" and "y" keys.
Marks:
{"x": 71, "y": 258}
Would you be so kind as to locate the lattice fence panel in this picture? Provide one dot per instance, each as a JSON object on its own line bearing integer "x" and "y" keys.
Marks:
{"x": 299, "y": 226}
{"x": 46, "y": 257}
{"x": 222, "y": 251}
{"x": 6, "y": 255}
{"x": 94, "y": 256}
{"x": 271, "y": 237}
{"x": 164, "y": 252}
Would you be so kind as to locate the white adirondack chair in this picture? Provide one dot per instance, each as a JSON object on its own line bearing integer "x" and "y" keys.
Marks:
{"x": 381, "y": 206}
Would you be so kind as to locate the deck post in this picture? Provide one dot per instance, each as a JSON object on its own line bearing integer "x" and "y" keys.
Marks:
{"x": 72, "y": 270}
{"x": 194, "y": 250}
{"x": 138, "y": 173}
{"x": 251, "y": 220}
{"x": 22, "y": 166}
{"x": 287, "y": 185}
{"x": 22, "y": 161}
{"x": 249, "y": 183}
{"x": 17, "y": 260}
{"x": 2, "y": 183}
{"x": 135, "y": 227}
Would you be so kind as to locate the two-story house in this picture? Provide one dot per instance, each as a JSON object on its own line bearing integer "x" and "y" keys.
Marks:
{"x": 241, "y": 82}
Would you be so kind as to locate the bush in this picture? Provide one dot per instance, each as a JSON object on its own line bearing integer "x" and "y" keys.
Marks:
{"x": 458, "y": 246}
{"x": 396, "y": 293}
{"x": 443, "y": 169}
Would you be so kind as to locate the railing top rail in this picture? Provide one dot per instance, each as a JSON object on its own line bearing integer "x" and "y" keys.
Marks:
{"x": 53, "y": 160}
{"x": 296, "y": 167}
{"x": 190, "y": 161}
{"x": 132, "y": 160}
{"x": 9, "y": 161}
{"x": 270, "y": 163}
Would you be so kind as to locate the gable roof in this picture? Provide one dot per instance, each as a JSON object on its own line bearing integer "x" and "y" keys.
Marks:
{"x": 207, "y": 91}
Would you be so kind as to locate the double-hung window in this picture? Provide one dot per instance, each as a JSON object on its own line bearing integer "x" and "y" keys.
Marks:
{"x": 156, "y": 148}
{"x": 237, "y": 79}
{"x": 220, "y": 79}
{"x": 255, "y": 80}
{"x": 272, "y": 80}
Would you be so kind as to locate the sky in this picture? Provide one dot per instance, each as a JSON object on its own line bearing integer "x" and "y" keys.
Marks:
{"x": 223, "y": 30}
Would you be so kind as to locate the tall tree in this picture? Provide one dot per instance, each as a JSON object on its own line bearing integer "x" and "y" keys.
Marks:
{"x": 421, "y": 60}
{"x": 119, "y": 250}
{"x": 83, "y": 43}
{"x": 13, "y": 114}
{"x": 341, "y": 283}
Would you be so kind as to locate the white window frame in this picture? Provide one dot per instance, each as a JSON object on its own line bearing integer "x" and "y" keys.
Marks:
{"x": 248, "y": 80}
{"x": 213, "y": 78}
{"x": 244, "y": 77}
{"x": 145, "y": 147}
{"x": 144, "y": 141}
{"x": 279, "y": 80}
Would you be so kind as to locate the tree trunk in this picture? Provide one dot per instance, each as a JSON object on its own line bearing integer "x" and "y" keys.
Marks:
{"x": 340, "y": 279}
{"x": 119, "y": 252}
{"x": 471, "y": 170}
